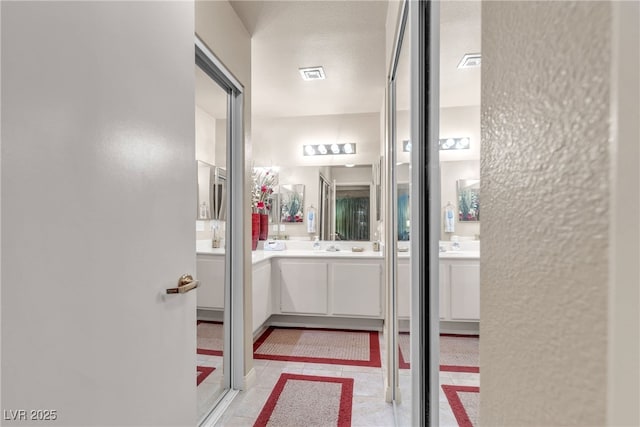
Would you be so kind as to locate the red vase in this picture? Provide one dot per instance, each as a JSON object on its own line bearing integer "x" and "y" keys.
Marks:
{"x": 255, "y": 230}
{"x": 264, "y": 226}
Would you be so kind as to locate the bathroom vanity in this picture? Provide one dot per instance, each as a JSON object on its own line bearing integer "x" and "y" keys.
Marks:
{"x": 337, "y": 289}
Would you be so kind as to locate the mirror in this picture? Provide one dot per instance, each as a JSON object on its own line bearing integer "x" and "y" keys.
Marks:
{"x": 317, "y": 187}
{"x": 468, "y": 200}
{"x": 291, "y": 199}
{"x": 404, "y": 212}
{"x": 325, "y": 213}
{"x": 213, "y": 330}
{"x": 211, "y": 192}
{"x": 353, "y": 207}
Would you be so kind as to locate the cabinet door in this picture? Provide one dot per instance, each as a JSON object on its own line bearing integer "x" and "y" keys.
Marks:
{"x": 303, "y": 287}
{"x": 261, "y": 294}
{"x": 404, "y": 290}
{"x": 210, "y": 273}
{"x": 444, "y": 290}
{"x": 356, "y": 289}
{"x": 465, "y": 291}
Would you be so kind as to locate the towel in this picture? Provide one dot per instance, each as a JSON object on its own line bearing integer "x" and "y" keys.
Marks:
{"x": 449, "y": 223}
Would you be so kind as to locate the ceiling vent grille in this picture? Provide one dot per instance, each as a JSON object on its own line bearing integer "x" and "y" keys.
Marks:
{"x": 312, "y": 73}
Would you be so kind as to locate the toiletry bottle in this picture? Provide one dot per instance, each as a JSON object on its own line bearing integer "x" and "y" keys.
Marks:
{"x": 316, "y": 244}
{"x": 376, "y": 243}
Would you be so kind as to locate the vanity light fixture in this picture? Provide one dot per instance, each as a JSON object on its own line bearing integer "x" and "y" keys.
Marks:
{"x": 455, "y": 144}
{"x": 321, "y": 149}
{"x": 470, "y": 60}
{"x": 445, "y": 144}
{"x": 312, "y": 73}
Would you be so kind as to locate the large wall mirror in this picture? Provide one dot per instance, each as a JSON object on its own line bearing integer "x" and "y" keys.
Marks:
{"x": 212, "y": 184}
{"x": 344, "y": 201}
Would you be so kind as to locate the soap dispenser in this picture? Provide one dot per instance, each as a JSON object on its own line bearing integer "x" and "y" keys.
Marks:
{"x": 316, "y": 243}
{"x": 215, "y": 240}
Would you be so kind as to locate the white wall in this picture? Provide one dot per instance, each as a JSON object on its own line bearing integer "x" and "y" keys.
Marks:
{"x": 279, "y": 141}
{"x": 461, "y": 122}
{"x": 545, "y": 186}
{"x": 205, "y": 136}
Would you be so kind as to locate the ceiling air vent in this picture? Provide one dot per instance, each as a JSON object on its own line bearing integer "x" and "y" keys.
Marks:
{"x": 312, "y": 73}
{"x": 470, "y": 60}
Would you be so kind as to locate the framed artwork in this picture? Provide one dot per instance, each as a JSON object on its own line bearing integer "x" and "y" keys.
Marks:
{"x": 468, "y": 200}
{"x": 291, "y": 203}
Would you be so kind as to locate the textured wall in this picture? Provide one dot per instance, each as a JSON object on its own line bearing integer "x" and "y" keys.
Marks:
{"x": 545, "y": 188}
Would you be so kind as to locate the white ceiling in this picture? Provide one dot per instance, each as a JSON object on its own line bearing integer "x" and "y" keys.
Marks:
{"x": 348, "y": 39}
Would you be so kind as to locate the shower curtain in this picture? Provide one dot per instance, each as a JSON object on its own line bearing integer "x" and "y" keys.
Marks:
{"x": 352, "y": 218}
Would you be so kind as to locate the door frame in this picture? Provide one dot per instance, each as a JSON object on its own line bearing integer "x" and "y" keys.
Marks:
{"x": 424, "y": 33}
{"x": 233, "y": 354}
{"x": 425, "y": 195}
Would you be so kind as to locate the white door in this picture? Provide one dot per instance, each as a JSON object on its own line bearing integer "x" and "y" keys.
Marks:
{"x": 98, "y": 189}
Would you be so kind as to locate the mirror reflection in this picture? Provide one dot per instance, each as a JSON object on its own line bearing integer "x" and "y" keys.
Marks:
{"x": 342, "y": 201}
{"x": 211, "y": 155}
{"x": 353, "y": 204}
{"x": 211, "y": 192}
{"x": 468, "y": 199}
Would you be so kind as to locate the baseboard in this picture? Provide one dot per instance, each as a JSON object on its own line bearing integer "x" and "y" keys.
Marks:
{"x": 324, "y": 322}
{"x": 462, "y": 328}
{"x": 210, "y": 314}
{"x": 249, "y": 380}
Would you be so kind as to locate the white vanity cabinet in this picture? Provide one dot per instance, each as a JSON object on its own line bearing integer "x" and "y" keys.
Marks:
{"x": 261, "y": 298}
{"x": 465, "y": 290}
{"x": 460, "y": 290}
{"x": 210, "y": 273}
{"x": 356, "y": 288}
{"x": 303, "y": 286}
{"x": 443, "y": 294}
{"x": 404, "y": 289}
{"x": 331, "y": 287}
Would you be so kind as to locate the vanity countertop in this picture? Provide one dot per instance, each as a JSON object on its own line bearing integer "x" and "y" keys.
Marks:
{"x": 346, "y": 253}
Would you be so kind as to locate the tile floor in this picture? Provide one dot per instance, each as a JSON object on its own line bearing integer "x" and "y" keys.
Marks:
{"x": 369, "y": 408}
